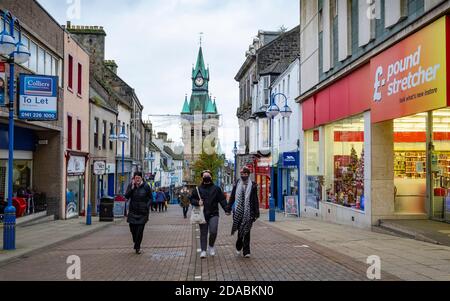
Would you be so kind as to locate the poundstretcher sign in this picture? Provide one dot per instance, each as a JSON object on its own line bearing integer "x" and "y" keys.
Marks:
{"x": 38, "y": 99}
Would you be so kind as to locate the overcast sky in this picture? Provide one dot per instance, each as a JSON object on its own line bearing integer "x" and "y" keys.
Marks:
{"x": 155, "y": 43}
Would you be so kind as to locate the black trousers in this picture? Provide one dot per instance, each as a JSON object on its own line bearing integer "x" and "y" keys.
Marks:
{"x": 160, "y": 207}
{"x": 138, "y": 233}
{"x": 185, "y": 211}
{"x": 243, "y": 243}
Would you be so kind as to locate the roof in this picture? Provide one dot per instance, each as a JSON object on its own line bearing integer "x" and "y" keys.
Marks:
{"x": 153, "y": 147}
{"x": 186, "y": 108}
{"x": 171, "y": 153}
{"x": 277, "y": 67}
{"x": 200, "y": 66}
{"x": 210, "y": 108}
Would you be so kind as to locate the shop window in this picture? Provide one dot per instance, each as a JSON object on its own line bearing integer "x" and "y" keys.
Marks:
{"x": 344, "y": 162}
{"x": 314, "y": 177}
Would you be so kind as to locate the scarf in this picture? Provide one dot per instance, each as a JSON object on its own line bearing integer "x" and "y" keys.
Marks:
{"x": 242, "y": 217}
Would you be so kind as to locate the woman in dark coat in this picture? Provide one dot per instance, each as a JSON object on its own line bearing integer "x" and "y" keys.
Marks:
{"x": 245, "y": 195}
{"x": 140, "y": 196}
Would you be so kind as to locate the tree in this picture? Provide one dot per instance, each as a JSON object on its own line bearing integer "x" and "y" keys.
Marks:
{"x": 208, "y": 162}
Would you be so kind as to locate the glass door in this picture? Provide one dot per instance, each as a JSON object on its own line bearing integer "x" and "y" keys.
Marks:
{"x": 440, "y": 166}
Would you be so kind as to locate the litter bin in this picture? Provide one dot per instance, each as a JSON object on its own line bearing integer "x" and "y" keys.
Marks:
{"x": 106, "y": 209}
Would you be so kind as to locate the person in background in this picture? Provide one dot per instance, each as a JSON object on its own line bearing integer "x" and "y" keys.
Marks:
{"x": 245, "y": 196}
{"x": 140, "y": 196}
{"x": 160, "y": 199}
{"x": 210, "y": 197}
{"x": 184, "y": 201}
{"x": 166, "y": 202}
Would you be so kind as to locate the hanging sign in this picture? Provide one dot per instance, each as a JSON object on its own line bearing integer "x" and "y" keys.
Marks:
{"x": 2, "y": 84}
{"x": 99, "y": 168}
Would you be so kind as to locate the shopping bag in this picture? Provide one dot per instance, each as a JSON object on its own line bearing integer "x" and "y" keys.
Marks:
{"x": 197, "y": 216}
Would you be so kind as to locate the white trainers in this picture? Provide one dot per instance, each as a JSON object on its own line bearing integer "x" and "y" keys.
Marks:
{"x": 212, "y": 252}
{"x": 203, "y": 255}
{"x": 247, "y": 256}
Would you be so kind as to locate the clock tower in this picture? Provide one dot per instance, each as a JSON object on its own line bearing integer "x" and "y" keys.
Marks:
{"x": 200, "y": 119}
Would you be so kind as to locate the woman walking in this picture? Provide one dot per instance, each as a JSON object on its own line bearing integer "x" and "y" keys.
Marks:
{"x": 160, "y": 199}
{"x": 209, "y": 196}
{"x": 140, "y": 196}
{"x": 245, "y": 195}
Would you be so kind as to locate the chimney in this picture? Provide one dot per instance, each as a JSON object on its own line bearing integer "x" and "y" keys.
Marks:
{"x": 69, "y": 24}
{"x": 162, "y": 136}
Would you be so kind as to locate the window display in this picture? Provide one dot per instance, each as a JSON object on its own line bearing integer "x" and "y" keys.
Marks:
{"x": 345, "y": 161}
{"x": 314, "y": 177}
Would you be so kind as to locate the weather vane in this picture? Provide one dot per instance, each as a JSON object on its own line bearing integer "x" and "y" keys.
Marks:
{"x": 201, "y": 37}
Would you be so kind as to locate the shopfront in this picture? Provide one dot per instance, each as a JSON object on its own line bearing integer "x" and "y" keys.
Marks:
{"x": 288, "y": 177}
{"x": 382, "y": 152}
{"x": 76, "y": 196}
{"x": 123, "y": 176}
{"x": 262, "y": 178}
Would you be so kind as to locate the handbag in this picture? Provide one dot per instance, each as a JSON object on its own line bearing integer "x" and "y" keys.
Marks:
{"x": 197, "y": 214}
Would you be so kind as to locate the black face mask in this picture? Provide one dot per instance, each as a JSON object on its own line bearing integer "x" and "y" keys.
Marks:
{"x": 245, "y": 178}
{"x": 207, "y": 180}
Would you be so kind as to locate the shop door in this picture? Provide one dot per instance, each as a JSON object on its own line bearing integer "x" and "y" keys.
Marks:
{"x": 440, "y": 166}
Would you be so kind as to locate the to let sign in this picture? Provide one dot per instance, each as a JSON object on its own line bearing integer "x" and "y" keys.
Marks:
{"x": 38, "y": 99}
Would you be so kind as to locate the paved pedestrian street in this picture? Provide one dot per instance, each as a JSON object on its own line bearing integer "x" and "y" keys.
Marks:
{"x": 171, "y": 254}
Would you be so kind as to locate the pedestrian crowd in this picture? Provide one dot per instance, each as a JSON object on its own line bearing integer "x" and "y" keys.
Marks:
{"x": 205, "y": 199}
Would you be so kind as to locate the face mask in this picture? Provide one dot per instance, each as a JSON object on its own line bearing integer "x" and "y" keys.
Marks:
{"x": 207, "y": 180}
{"x": 245, "y": 178}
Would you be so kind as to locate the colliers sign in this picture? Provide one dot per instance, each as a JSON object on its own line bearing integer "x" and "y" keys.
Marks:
{"x": 38, "y": 97}
{"x": 411, "y": 77}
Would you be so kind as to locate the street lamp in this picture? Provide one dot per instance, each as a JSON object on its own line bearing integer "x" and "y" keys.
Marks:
{"x": 16, "y": 53}
{"x": 123, "y": 137}
{"x": 271, "y": 113}
{"x": 235, "y": 152}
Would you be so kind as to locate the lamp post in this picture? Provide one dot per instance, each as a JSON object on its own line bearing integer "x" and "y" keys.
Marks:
{"x": 151, "y": 158}
{"x": 235, "y": 152}
{"x": 271, "y": 113}
{"x": 123, "y": 137}
{"x": 16, "y": 53}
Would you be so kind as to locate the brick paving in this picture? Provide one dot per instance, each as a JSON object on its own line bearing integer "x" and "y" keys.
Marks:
{"x": 171, "y": 254}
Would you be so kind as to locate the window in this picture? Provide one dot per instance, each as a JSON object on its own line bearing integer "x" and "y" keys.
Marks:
{"x": 266, "y": 81}
{"x": 70, "y": 83}
{"x": 41, "y": 61}
{"x": 80, "y": 80}
{"x": 111, "y": 126}
{"x": 314, "y": 176}
{"x": 96, "y": 133}
{"x": 48, "y": 64}
{"x": 288, "y": 86}
{"x": 79, "y": 135}
{"x": 54, "y": 66}
{"x": 344, "y": 162}
{"x": 33, "y": 58}
{"x": 25, "y": 42}
{"x": 104, "y": 135}
{"x": 69, "y": 132}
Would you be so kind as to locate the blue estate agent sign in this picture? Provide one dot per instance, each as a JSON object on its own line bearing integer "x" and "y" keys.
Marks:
{"x": 38, "y": 97}
{"x": 290, "y": 160}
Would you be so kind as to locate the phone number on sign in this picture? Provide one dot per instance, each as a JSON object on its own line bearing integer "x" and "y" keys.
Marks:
{"x": 30, "y": 115}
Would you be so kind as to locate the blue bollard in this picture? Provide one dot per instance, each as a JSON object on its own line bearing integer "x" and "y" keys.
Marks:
{"x": 272, "y": 211}
{"x": 9, "y": 229}
{"x": 89, "y": 215}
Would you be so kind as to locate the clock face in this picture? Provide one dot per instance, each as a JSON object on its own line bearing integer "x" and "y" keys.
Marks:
{"x": 199, "y": 81}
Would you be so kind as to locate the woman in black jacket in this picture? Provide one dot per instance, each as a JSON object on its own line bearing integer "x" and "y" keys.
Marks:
{"x": 210, "y": 197}
{"x": 140, "y": 196}
{"x": 245, "y": 195}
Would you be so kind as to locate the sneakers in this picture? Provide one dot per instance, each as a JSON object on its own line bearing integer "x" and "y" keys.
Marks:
{"x": 238, "y": 252}
{"x": 203, "y": 255}
{"x": 212, "y": 251}
{"x": 247, "y": 256}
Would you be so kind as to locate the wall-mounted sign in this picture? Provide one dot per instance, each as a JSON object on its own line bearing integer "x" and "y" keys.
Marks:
{"x": 2, "y": 84}
{"x": 411, "y": 77}
{"x": 76, "y": 165}
{"x": 99, "y": 168}
{"x": 38, "y": 97}
{"x": 110, "y": 168}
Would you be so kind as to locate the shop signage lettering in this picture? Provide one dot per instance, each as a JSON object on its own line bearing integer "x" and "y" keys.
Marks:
{"x": 290, "y": 159}
{"x": 38, "y": 99}
{"x": 2, "y": 84}
{"x": 410, "y": 77}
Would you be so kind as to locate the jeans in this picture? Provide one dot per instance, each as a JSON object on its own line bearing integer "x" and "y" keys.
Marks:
{"x": 138, "y": 233}
{"x": 212, "y": 225}
{"x": 185, "y": 211}
{"x": 243, "y": 243}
